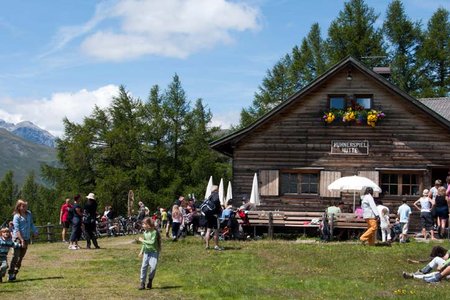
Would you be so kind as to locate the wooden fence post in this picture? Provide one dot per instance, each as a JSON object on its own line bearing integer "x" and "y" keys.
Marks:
{"x": 49, "y": 229}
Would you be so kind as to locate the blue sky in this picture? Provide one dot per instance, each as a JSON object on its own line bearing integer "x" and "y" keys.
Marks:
{"x": 60, "y": 58}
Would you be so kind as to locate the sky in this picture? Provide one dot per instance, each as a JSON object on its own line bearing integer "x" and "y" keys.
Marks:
{"x": 60, "y": 58}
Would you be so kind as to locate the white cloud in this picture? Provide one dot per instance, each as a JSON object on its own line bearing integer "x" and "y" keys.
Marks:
{"x": 225, "y": 120}
{"x": 127, "y": 29}
{"x": 49, "y": 113}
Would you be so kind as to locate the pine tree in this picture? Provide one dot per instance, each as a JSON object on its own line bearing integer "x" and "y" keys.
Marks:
{"x": 309, "y": 60}
{"x": 353, "y": 33}
{"x": 436, "y": 56}
{"x": 275, "y": 88}
{"x": 8, "y": 196}
{"x": 29, "y": 193}
{"x": 176, "y": 106}
{"x": 405, "y": 38}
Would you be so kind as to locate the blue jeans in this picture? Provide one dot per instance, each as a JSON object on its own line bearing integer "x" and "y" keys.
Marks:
{"x": 149, "y": 259}
{"x": 3, "y": 265}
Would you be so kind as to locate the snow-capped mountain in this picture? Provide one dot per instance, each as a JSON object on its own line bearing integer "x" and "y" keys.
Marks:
{"x": 30, "y": 132}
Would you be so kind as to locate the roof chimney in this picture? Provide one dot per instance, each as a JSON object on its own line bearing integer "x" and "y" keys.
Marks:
{"x": 383, "y": 71}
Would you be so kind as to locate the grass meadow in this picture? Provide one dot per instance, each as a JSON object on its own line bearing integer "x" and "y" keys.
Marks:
{"x": 263, "y": 269}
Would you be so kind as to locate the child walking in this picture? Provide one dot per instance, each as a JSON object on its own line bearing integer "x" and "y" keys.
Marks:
{"x": 5, "y": 243}
{"x": 385, "y": 226}
{"x": 151, "y": 246}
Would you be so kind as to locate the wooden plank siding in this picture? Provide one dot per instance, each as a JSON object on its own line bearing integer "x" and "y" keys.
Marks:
{"x": 296, "y": 137}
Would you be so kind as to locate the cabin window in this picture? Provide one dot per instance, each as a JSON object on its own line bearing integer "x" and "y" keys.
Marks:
{"x": 289, "y": 183}
{"x": 337, "y": 102}
{"x": 400, "y": 184}
{"x": 356, "y": 102}
{"x": 309, "y": 183}
{"x": 299, "y": 183}
{"x": 364, "y": 101}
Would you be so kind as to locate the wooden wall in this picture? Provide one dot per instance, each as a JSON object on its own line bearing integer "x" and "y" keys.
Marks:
{"x": 297, "y": 138}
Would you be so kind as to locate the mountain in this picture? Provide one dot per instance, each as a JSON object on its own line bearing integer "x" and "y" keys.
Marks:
{"x": 22, "y": 156}
{"x": 30, "y": 132}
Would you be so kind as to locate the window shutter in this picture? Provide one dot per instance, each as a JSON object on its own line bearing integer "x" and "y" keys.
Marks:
{"x": 269, "y": 182}
{"x": 372, "y": 175}
{"x": 326, "y": 178}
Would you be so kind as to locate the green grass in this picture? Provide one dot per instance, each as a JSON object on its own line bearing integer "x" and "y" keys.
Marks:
{"x": 245, "y": 270}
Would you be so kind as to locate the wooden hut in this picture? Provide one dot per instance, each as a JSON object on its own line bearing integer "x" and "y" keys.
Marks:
{"x": 297, "y": 151}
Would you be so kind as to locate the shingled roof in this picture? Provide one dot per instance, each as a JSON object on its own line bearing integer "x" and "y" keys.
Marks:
{"x": 439, "y": 105}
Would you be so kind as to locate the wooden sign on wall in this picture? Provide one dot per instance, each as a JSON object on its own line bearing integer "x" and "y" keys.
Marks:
{"x": 352, "y": 147}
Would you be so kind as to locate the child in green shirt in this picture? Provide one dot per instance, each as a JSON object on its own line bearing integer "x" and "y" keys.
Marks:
{"x": 151, "y": 246}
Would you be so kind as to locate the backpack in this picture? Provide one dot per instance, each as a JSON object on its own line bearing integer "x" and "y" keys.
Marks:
{"x": 70, "y": 214}
{"x": 208, "y": 207}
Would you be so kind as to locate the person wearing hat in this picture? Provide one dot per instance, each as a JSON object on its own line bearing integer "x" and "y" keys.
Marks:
{"x": 424, "y": 204}
{"x": 89, "y": 221}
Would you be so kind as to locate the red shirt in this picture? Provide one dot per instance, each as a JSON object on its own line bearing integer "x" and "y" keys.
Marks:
{"x": 65, "y": 212}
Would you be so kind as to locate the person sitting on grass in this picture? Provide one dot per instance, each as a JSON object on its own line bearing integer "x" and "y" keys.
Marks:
{"x": 6, "y": 242}
{"x": 151, "y": 247}
{"x": 440, "y": 259}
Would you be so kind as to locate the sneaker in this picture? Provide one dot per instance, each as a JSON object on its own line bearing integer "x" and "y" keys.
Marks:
{"x": 419, "y": 272}
{"x": 217, "y": 248}
{"x": 1, "y": 279}
{"x": 12, "y": 277}
{"x": 433, "y": 279}
{"x": 142, "y": 286}
{"x": 407, "y": 275}
{"x": 149, "y": 284}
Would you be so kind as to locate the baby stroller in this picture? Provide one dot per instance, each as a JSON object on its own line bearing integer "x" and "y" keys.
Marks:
{"x": 396, "y": 231}
{"x": 229, "y": 228}
{"x": 324, "y": 227}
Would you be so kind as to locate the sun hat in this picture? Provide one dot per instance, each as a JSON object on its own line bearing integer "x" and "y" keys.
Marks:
{"x": 425, "y": 192}
{"x": 91, "y": 196}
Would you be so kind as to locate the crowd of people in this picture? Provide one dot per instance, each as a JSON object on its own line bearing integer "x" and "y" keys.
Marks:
{"x": 187, "y": 216}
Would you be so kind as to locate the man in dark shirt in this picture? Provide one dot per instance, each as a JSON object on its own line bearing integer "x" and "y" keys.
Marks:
{"x": 212, "y": 219}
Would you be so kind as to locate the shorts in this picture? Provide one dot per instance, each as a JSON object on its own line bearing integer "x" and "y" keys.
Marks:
{"x": 211, "y": 222}
{"x": 426, "y": 220}
{"x": 66, "y": 224}
{"x": 405, "y": 227}
{"x": 442, "y": 212}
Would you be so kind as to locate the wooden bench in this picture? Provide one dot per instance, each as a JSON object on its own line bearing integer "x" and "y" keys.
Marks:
{"x": 348, "y": 222}
{"x": 273, "y": 219}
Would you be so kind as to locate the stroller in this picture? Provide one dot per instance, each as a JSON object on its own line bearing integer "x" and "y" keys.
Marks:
{"x": 229, "y": 228}
{"x": 396, "y": 231}
{"x": 324, "y": 228}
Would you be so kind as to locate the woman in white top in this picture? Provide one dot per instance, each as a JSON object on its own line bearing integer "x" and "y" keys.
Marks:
{"x": 424, "y": 204}
{"x": 370, "y": 215}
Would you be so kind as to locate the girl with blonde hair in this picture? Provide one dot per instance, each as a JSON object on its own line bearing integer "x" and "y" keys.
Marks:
{"x": 23, "y": 227}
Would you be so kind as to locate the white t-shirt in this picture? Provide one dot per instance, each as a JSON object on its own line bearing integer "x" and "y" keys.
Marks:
{"x": 404, "y": 211}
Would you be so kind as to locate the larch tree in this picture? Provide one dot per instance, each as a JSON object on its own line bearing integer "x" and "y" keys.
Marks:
{"x": 354, "y": 33}
{"x": 405, "y": 38}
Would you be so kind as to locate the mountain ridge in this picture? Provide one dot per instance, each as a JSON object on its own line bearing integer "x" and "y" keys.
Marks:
{"x": 30, "y": 132}
{"x": 22, "y": 157}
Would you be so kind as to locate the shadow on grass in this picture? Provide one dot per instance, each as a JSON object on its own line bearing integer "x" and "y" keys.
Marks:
{"x": 167, "y": 287}
{"x": 36, "y": 279}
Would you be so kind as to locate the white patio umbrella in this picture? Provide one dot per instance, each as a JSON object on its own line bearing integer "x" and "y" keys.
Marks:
{"x": 254, "y": 196}
{"x": 209, "y": 187}
{"x": 353, "y": 184}
{"x": 221, "y": 192}
{"x": 229, "y": 192}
